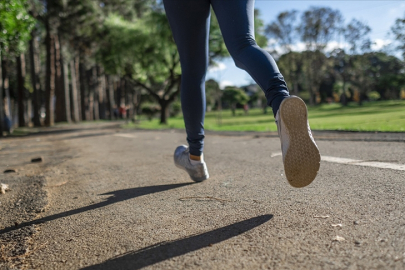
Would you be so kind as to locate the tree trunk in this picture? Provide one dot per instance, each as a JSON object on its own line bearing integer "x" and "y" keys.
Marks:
{"x": 310, "y": 78}
{"x": 34, "y": 64}
{"x": 130, "y": 110}
{"x": 164, "y": 111}
{"x": 66, "y": 96}
{"x": 83, "y": 90}
{"x": 312, "y": 96}
{"x": 75, "y": 99}
{"x": 233, "y": 109}
{"x": 6, "y": 101}
{"x": 295, "y": 90}
{"x": 14, "y": 113}
{"x": 2, "y": 128}
{"x": 29, "y": 111}
{"x": 101, "y": 93}
{"x": 21, "y": 93}
{"x": 119, "y": 86}
{"x": 111, "y": 100}
{"x": 78, "y": 84}
{"x": 50, "y": 76}
{"x": 136, "y": 103}
{"x": 60, "y": 107}
{"x": 92, "y": 75}
{"x": 96, "y": 91}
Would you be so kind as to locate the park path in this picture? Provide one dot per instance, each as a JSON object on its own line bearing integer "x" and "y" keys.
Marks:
{"x": 116, "y": 201}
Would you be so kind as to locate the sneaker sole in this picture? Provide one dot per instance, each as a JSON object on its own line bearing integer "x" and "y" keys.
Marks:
{"x": 192, "y": 178}
{"x": 302, "y": 160}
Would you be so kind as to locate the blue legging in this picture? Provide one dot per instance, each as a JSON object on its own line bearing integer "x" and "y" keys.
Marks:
{"x": 189, "y": 21}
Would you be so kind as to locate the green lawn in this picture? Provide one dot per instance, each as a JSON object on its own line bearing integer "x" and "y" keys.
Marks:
{"x": 372, "y": 116}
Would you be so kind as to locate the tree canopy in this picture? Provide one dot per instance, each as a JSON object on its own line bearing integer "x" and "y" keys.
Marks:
{"x": 15, "y": 26}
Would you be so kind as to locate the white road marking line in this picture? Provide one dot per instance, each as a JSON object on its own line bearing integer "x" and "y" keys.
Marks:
{"x": 382, "y": 165}
{"x": 276, "y": 154}
{"x": 358, "y": 162}
{"x": 340, "y": 160}
{"x": 125, "y": 135}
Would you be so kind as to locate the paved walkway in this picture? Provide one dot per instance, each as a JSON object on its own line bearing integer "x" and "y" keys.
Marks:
{"x": 116, "y": 201}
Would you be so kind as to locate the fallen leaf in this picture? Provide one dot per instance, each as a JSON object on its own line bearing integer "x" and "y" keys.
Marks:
{"x": 338, "y": 238}
{"x": 37, "y": 159}
{"x": 3, "y": 188}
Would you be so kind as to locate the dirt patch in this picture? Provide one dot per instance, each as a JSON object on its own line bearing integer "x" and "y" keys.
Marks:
{"x": 22, "y": 204}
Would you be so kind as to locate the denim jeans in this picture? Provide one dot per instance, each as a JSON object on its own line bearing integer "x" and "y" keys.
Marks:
{"x": 189, "y": 21}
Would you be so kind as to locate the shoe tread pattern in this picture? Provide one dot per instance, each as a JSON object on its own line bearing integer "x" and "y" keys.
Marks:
{"x": 302, "y": 159}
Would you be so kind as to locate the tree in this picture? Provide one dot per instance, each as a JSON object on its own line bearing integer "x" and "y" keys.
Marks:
{"x": 15, "y": 28}
{"x": 261, "y": 97}
{"x": 35, "y": 80}
{"x": 319, "y": 25}
{"x": 398, "y": 29}
{"x": 213, "y": 94}
{"x": 143, "y": 51}
{"x": 356, "y": 34}
{"x": 283, "y": 29}
{"x": 291, "y": 66}
{"x": 20, "y": 64}
{"x": 379, "y": 72}
{"x": 315, "y": 69}
{"x": 343, "y": 67}
{"x": 234, "y": 96}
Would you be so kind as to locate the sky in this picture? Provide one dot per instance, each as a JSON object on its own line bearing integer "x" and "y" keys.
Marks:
{"x": 378, "y": 15}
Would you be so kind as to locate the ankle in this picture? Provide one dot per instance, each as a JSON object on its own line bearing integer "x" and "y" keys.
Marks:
{"x": 196, "y": 158}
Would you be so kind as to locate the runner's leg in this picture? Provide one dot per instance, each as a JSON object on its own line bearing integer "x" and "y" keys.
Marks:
{"x": 236, "y": 20}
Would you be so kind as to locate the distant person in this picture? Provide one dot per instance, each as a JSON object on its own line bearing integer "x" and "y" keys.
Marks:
{"x": 246, "y": 108}
{"x": 189, "y": 21}
{"x": 116, "y": 112}
{"x": 123, "y": 111}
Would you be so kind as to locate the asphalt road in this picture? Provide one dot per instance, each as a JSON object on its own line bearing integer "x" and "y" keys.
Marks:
{"x": 115, "y": 200}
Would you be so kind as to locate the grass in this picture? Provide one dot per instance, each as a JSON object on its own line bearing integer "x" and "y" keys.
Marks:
{"x": 372, "y": 116}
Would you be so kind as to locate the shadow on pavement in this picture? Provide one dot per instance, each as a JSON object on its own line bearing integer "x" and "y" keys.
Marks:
{"x": 80, "y": 136}
{"x": 72, "y": 128}
{"x": 117, "y": 196}
{"x": 164, "y": 251}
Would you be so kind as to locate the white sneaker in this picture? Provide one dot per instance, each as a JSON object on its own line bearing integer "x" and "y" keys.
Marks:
{"x": 300, "y": 153}
{"x": 198, "y": 172}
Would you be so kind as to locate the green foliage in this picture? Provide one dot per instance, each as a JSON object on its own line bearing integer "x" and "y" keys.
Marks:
{"x": 318, "y": 26}
{"x": 379, "y": 72}
{"x": 398, "y": 29}
{"x": 283, "y": 29}
{"x": 213, "y": 93}
{"x": 120, "y": 47}
{"x": 291, "y": 66}
{"x": 149, "y": 110}
{"x": 175, "y": 108}
{"x": 261, "y": 97}
{"x": 217, "y": 48}
{"x": 374, "y": 95}
{"x": 15, "y": 26}
{"x": 356, "y": 34}
{"x": 260, "y": 38}
{"x": 234, "y": 96}
{"x": 142, "y": 49}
